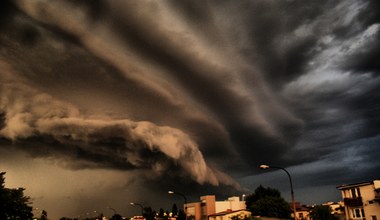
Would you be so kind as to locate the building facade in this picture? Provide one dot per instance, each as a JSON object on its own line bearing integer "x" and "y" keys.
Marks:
{"x": 228, "y": 215}
{"x": 361, "y": 200}
{"x": 208, "y": 206}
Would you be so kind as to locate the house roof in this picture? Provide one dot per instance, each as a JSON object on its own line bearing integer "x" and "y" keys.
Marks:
{"x": 227, "y": 212}
{"x": 346, "y": 186}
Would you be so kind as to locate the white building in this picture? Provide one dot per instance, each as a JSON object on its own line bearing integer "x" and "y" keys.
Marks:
{"x": 232, "y": 203}
{"x": 361, "y": 200}
{"x": 228, "y": 215}
{"x": 209, "y": 206}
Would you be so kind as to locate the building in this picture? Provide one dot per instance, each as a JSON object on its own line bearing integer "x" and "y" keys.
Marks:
{"x": 361, "y": 200}
{"x": 208, "y": 206}
{"x": 303, "y": 212}
{"x": 337, "y": 209}
{"x": 228, "y": 215}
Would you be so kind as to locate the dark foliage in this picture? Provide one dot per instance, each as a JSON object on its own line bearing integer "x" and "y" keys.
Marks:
{"x": 175, "y": 210}
{"x": 181, "y": 215}
{"x": 268, "y": 202}
{"x": 149, "y": 214}
{"x": 13, "y": 203}
{"x": 116, "y": 217}
{"x": 321, "y": 212}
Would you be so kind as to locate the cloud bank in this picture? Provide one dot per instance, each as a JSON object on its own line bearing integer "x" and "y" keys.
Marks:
{"x": 122, "y": 144}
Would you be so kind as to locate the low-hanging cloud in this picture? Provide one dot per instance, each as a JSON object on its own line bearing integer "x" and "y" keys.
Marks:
{"x": 132, "y": 145}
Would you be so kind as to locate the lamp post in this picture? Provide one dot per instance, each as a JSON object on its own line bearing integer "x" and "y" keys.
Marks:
{"x": 184, "y": 197}
{"x": 264, "y": 167}
{"x": 138, "y": 204}
{"x": 114, "y": 211}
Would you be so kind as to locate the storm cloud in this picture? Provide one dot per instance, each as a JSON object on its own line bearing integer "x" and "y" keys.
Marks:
{"x": 168, "y": 90}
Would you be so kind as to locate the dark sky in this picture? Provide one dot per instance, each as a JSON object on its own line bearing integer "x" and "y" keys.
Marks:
{"x": 104, "y": 103}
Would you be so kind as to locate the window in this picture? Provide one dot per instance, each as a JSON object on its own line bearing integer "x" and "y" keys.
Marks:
{"x": 358, "y": 213}
{"x": 355, "y": 192}
{"x": 300, "y": 216}
{"x": 373, "y": 217}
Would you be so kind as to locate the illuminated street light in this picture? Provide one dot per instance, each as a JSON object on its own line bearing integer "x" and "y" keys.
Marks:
{"x": 184, "y": 197}
{"x": 264, "y": 167}
{"x": 138, "y": 204}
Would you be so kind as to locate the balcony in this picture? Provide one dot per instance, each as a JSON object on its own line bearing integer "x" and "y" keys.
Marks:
{"x": 353, "y": 202}
{"x": 377, "y": 198}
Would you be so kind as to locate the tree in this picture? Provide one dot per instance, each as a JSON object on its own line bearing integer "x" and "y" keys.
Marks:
{"x": 268, "y": 202}
{"x": 149, "y": 214}
{"x": 44, "y": 215}
{"x": 116, "y": 217}
{"x": 13, "y": 203}
{"x": 161, "y": 213}
{"x": 174, "y": 210}
{"x": 181, "y": 215}
{"x": 322, "y": 212}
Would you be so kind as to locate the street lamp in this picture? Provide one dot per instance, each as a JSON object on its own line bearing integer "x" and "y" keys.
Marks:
{"x": 114, "y": 211}
{"x": 138, "y": 204}
{"x": 184, "y": 197}
{"x": 264, "y": 167}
